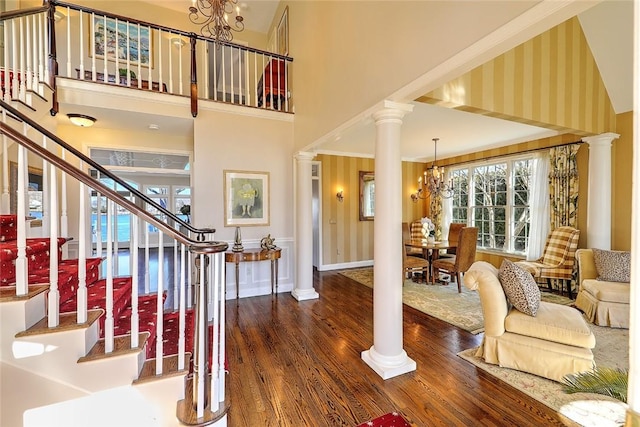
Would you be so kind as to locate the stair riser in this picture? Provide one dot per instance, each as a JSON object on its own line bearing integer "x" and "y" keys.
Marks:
{"x": 18, "y": 316}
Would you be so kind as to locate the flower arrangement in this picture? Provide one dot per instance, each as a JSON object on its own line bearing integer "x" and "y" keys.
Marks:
{"x": 428, "y": 227}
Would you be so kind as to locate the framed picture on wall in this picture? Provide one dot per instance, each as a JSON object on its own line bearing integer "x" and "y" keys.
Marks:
{"x": 133, "y": 41}
{"x": 246, "y": 198}
{"x": 283, "y": 33}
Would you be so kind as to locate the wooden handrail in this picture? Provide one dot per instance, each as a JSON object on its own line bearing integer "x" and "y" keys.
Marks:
{"x": 69, "y": 169}
{"x": 22, "y": 12}
{"x": 103, "y": 171}
{"x": 186, "y": 34}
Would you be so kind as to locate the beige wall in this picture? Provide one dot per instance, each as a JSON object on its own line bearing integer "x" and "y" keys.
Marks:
{"x": 227, "y": 141}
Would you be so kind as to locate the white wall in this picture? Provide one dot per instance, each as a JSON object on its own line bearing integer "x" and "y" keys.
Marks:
{"x": 259, "y": 143}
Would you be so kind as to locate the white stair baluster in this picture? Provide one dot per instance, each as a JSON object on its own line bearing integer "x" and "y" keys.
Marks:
{"x": 28, "y": 75}
{"x": 175, "y": 274}
{"x": 219, "y": 330}
{"x": 7, "y": 66}
{"x": 133, "y": 250}
{"x": 182, "y": 320}
{"x": 140, "y": 62}
{"x": 68, "y": 27}
{"x": 82, "y": 255}
{"x": 170, "y": 64}
{"x": 116, "y": 55}
{"x": 160, "y": 305}
{"x": 108, "y": 320}
{"x": 92, "y": 25}
{"x": 54, "y": 294}
{"x": 21, "y": 260}
{"x": 22, "y": 94}
{"x": 15, "y": 87}
{"x": 147, "y": 278}
{"x": 5, "y": 201}
{"x": 105, "y": 72}
{"x": 46, "y": 216}
{"x": 98, "y": 230}
{"x": 64, "y": 219}
{"x": 214, "y": 346}
{"x": 159, "y": 63}
{"x": 34, "y": 53}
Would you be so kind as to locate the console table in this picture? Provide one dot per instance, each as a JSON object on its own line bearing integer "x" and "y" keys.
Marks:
{"x": 255, "y": 254}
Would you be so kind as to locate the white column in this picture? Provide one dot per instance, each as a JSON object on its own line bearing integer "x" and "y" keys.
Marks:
{"x": 599, "y": 202}
{"x": 386, "y": 356}
{"x": 304, "y": 230}
{"x": 633, "y": 395}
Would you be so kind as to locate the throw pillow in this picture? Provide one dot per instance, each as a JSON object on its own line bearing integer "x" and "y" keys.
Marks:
{"x": 613, "y": 266}
{"x": 520, "y": 287}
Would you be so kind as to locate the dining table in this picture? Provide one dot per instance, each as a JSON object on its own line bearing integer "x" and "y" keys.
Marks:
{"x": 431, "y": 249}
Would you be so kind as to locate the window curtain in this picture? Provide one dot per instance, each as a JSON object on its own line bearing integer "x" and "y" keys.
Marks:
{"x": 538, "y": 207}
{"x": 447, "y": 214}
{"x": 563, "y": 186}
{"x": 435, "y": 207}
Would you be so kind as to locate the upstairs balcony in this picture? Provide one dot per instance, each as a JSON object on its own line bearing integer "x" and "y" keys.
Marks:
{"x": 76, "y": 42}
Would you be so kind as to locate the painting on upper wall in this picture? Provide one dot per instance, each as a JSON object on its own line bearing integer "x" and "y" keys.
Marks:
{"x": 246, "y": 198}
{"x": 131, "y": 42}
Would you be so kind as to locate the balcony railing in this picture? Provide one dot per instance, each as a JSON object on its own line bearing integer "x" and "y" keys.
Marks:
{"x": 78, "y": 42}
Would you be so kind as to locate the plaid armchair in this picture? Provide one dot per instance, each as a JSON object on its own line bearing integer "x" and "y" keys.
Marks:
{"x": 558, "y": 258}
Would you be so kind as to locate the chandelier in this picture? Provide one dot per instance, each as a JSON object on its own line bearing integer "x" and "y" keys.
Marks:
{"x": 214, "y": 15}
{"x": 432, "y": 182}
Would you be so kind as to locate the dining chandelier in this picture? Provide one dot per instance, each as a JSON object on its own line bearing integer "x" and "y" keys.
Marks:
{"x": 433, "y": 182}
{"x": 214, "y": 16}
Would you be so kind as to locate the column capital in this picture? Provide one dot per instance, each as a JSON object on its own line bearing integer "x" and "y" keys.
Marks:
{"x": 601, "y": 139}
{"x": 304, "y": 155}
{"x": 390, "y": 110}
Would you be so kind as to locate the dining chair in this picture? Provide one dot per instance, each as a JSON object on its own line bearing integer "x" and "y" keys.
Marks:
{"x": 454, "y": 232}
{"x": 413, "y": 264}
{"x": 406, "y": 236}
{"x": 460, "y": 263}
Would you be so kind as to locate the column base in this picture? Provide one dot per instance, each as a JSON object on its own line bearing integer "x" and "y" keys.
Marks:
{"x": 388, "y": 367}
{"x": 304, "y": 294}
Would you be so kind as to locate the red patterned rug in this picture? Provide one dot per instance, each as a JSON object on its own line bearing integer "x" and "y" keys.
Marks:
{"x": 392, "y": 419}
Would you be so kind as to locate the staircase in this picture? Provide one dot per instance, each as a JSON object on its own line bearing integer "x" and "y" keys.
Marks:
{"x": 78, "y": 345}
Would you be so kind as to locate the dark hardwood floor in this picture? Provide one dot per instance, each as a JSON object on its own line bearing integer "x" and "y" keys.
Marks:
{"x": 298, "y": 364}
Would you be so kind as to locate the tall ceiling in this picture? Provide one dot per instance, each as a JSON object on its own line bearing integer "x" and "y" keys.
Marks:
{"x": 608, "y": 28}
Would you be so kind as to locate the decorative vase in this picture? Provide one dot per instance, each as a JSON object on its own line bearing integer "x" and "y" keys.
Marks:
{"x": 431, "y": 239}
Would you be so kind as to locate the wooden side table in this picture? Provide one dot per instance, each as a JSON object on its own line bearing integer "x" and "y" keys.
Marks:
{"x": 255, "y": 254}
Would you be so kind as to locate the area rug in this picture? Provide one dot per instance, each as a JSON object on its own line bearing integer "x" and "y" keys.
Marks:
{"x": 443, "y": 301}
{"x": 611, "y": 351}
{"x": 392, "y": 419}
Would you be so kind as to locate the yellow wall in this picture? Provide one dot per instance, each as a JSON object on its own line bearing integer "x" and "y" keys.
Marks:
{"x": 622, "y": 169}
{"x": 551, "y": 81}
{"x": 338, "y": 74}
{"x": 344, "y": 237}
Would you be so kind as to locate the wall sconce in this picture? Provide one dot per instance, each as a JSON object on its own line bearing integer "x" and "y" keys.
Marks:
{"x": 340, "y": 196}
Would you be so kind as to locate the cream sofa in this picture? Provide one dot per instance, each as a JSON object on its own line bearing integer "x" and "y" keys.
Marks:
{"x": 603, "y": 303}
{"x": 554, "y": 343}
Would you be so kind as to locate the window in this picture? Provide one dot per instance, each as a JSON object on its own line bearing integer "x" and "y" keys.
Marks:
{"x": 494, "y": 197}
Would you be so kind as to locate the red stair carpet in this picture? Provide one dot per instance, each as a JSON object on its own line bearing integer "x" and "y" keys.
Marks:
{"x": 392, "y": 419}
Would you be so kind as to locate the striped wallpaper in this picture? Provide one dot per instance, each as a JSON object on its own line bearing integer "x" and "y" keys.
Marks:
{"x": 344, "y": 237}
{"x": 550, "y": 81}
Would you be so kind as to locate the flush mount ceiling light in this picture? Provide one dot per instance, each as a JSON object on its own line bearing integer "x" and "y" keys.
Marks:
{"x": 177, "y": 41}
{"x": 81, "y": 120}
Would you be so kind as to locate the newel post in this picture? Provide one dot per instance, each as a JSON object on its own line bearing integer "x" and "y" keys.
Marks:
{"x": 194, "y": 77}
{"x": 53, "y": 61}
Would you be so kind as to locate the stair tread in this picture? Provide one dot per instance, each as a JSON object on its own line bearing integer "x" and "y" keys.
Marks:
{"x": 8, "y": 293}
{"x": 169, "y": 368}
{"x": 121, "y": 345}
{"x": 67, "y": 322}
